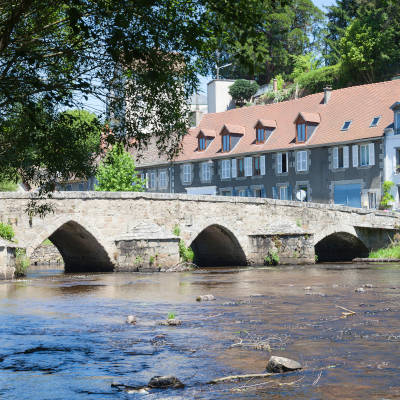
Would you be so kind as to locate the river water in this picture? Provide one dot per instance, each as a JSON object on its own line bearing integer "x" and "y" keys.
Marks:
{"x": 64, "y": 336}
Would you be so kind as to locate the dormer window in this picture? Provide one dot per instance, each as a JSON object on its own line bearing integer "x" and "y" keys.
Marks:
{"x": 375, "y": 122}
{"x": 346, "y": 126}
{"x": 263, "y": 129}
{"x": 204, "y": 138}
{"x": 397, "y": 121}
{"x": 306, "y": 123}
{"x": 230, "y": 136}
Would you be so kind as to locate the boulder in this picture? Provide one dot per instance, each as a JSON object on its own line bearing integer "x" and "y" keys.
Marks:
{"x": 171, "y": 322}
{"x": 131, "y": 319}
{"x": 164, "y": 382}
{"x": 360, "y": 290}
{"x": 282, "y": 364}
{"x": 205, "y": 297}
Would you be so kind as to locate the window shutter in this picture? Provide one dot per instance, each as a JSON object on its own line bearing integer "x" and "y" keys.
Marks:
{"x": 346, "y": 157}
{"x": 279, "y": 163}
{"x": 305, "y": 161}
{"x": 147, "y": 180}
{"x": 248, "y": 192}
{"x": 248, "y": 166}
{"x": 354, "y": 149}
{"x": 335, "y": 157}
{"x": 289, "y": 192}
{"x": 234, "y": 192}
{"x": 274, "y": 192}
{"x": 234, "y": 170}
{"x": 371, "y": 149}
{"x": 262, "y": 165}
{"x": 263, "y": 192}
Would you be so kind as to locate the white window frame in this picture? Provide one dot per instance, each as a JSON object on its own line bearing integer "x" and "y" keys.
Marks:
{"x": 372, "y": 200}
{"x": 335, "y": 156}
{"x": 187, "y": 173}
{"x": 242, "y": 193}
{"x": 285, "y": 190}
{"x": 162, "y": 179}
{"x": 302, "y": 161}
{"x": 226, "y": 169}
{"x": 248, "y": 166}
{"x": 153, "y": 180}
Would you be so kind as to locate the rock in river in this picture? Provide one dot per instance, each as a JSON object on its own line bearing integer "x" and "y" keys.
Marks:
{"x": 131, "y": 319}
{"x": 163, "y": 382}
{"x": 171, "y": 322}
{"x": 360, "y": 290}
{"x": 282, "y": 364}
{"x": 205, "y": 297}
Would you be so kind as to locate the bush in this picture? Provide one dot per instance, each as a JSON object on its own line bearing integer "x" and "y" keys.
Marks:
{"x": 242, "y": 90}
{"x": 8, "y": 186}
{"x": 314, "y": 81}
{"x": 22, "y": 262}
{"x": 177, "y": 230}
{"x": 6, "y": 231}
{"x": 272, "y": 258}
{"x": 186, "y": 253}
{"x": 387, "y": 197}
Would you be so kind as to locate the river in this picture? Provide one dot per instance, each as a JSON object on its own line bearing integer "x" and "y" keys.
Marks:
{"x": 64, "y": 336}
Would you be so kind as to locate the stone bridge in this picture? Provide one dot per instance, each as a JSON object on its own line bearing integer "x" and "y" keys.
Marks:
{"x": 104, "y": 231}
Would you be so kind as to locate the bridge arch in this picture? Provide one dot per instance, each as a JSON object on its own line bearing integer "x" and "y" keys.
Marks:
{"x": 79, "y": 248}
{"x": 217, "y": 246}
{"x": 343, "y": 245}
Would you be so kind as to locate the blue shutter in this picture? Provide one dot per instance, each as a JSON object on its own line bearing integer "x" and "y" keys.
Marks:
{"x": 263, "y": 192}
{"x": 274, "y": 192}
{"x": 234, "y": 192}
{"x": 290, "y": 192}
{"x": 248, "y": 193}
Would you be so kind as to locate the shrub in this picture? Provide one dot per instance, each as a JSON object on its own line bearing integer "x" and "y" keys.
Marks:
{"x": 272, "y": 258}
{"x": 176, "y": 231}
{"x": 6, "y": 231}
{"x": 387, "y": 197}
{"x": 186, "y": 253}
{"x": 314, "y": 81}
{"x": 242, "y": 90}
{"x": 171, "y": 315}
{"x": 22, "y": 262}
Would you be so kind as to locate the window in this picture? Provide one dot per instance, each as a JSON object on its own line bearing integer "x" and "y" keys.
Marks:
{"x": 226, "y": 143}
{"x": 364, "y": 155}
{"x": 256, "y": 166}
{"x": 187, "y": 173}
{"x": 346, "y": 125}
{"x": 260, "y": 135}
{"x": 257, "y": 193}
{"x": 340, "y": 157}
{"x": 226, "y": 169}
{"x": 240, "y": 167}
{"x": 163, "y": 179}
{"x": 202, "y": 143}
{"x": 302, "y": 193}
{"x": 397, "y": 166}
{"x": 242, "y": 193}
{"x": 284, "y": 192}
{"x": 301, "y": 161}
{"x": 301, "y": 132}
{"x": 371, "y": 199}
{"x": 152, "y": 180}
{"x": 226, "y": 192}
{"x": 375, "y": 122}
{"x": 248, "y": 166}
{"x": 282, "y": 163}
{"x": 206, "y": 172}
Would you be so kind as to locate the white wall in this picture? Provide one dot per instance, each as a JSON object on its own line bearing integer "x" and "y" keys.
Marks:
{"x": 218, "y": 97}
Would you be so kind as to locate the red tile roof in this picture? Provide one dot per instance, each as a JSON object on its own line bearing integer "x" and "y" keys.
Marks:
{"x": 267, "y": 123}
{"x": 360, "y": 104}
{"x": 311, "y": 117}
{"x": 208, "y": 132}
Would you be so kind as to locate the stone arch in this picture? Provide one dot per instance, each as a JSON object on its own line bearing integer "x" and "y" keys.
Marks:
{"x": 79, "y": 248}
{"x": 217, "y": 246}
{"x": 340, "y": 246}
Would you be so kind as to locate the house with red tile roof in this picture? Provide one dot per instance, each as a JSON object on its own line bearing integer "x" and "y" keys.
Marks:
{"x": 327, "y": 147}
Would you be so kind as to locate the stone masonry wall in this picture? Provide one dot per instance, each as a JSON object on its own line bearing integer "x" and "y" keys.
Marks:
{"x": 46, "y": 254}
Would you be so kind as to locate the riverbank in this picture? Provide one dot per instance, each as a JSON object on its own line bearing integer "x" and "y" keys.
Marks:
{"x": 390, "y": 252}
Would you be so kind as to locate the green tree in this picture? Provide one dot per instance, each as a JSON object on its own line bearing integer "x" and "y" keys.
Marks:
{"x": 369, "y": 48}
{"x": 117, "y": 173}
{"x": 54, "y": 55}
{"x": 242, "y": 91}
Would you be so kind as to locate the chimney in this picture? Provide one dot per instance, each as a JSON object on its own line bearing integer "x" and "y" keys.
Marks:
{"x": 327, "y": 94}
{"x": 275, "y": 85}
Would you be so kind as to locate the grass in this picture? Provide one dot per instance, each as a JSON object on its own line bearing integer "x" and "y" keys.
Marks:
{"x": 171, "y": 315}
{"x": 393, "y": 251}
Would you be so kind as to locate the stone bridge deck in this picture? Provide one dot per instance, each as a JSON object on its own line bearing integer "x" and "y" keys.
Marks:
{"x": 128, "y": 230}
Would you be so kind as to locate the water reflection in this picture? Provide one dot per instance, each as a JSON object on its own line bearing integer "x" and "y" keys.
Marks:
{"x": 63, "y": 335}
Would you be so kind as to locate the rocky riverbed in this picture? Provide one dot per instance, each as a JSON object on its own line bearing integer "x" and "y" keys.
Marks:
{"x": 66, "y": 336}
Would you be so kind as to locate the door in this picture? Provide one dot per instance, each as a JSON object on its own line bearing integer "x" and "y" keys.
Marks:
{"x": 348, "y": 195}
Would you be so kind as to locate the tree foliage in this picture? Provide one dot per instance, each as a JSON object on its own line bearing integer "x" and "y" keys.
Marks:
{"x": 144, "y": 55}
{"x": 117, "y": 173}
{"x": 242, "y": 90}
